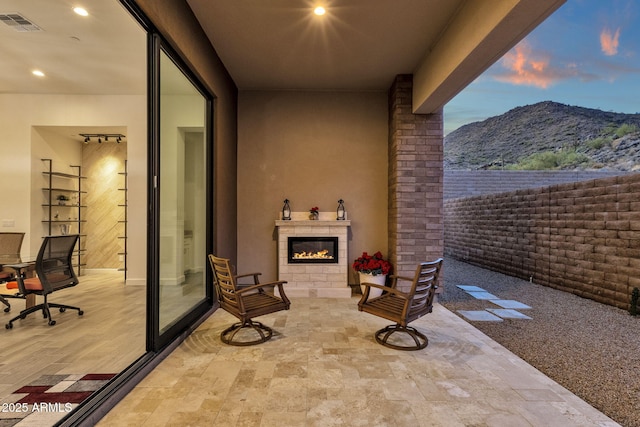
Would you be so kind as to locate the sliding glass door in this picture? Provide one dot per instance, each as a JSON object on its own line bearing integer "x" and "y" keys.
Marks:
{"x": 180, "y": 197}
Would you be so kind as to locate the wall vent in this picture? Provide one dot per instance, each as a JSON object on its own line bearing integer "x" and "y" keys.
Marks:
{"x": 18, "y": 22}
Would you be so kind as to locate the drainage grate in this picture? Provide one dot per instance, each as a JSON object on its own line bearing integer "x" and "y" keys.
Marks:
{"x": 18, "y": 22}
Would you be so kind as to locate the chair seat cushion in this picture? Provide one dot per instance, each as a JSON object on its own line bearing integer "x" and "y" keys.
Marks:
{"x": 31, "y": 284}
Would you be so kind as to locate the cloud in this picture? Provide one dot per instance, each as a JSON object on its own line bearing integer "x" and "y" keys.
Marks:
{"x": 526, "y": 67}
{"x": 609, "y": 42}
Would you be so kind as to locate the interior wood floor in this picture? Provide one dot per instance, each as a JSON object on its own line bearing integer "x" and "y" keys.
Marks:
{"x": 106, "y": 339}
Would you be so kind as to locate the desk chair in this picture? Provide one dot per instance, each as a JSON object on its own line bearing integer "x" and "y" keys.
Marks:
{"x": 10, "y": 245}
{"x": 54, "y": 271}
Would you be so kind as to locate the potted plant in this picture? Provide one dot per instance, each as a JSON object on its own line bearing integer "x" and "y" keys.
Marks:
{"x": 313, "y": 213}
{"x": 372, "y": 269}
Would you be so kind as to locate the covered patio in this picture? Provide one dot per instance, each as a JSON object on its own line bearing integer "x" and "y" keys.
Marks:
{"x": 323, "y": 368}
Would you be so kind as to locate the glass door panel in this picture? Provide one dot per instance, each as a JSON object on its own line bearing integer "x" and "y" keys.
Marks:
{"x": 182, "y": 186}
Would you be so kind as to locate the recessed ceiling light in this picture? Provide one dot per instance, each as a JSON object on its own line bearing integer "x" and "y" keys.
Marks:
{"x": 81, "y": 11}
{"x": 37, "y": 73}
{"x": 319, "y": 10}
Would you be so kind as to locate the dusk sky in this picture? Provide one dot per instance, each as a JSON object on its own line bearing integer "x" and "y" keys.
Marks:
{"x": 586, "y": 54}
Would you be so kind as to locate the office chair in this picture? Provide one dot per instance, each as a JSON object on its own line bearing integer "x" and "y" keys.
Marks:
{"x": 10, "y": 245}
{"x": 54, "y": 270}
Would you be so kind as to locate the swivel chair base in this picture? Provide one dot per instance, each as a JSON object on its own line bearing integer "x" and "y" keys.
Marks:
{"x": 382, "y": 337}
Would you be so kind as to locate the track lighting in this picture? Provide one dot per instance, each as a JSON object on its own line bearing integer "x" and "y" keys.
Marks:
{"x": 117, "y": 136}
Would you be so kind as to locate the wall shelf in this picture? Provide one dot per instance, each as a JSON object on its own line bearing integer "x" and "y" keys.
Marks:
{"x": 124, "y": 205}
{"x": 72, "y": 210}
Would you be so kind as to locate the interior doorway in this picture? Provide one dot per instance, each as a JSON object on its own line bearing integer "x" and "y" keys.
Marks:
{"x": 97, "y": 207}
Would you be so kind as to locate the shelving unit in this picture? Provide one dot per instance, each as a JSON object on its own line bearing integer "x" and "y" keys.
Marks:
{"x": 124, "y": 222}
{"x": 68, "y": 213}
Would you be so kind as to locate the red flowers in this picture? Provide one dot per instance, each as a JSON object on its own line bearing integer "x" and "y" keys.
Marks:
{"x": 314, "y": 210}
{"x": 372, "y": 264}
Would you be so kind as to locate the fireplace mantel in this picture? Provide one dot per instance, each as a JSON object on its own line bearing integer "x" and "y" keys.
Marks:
{"x": 312, "y": 279}
{"x": 313, "y": 223}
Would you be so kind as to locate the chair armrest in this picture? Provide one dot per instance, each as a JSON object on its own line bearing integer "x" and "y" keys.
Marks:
{"x": 394, "y": 280}
{"x": 365, "y": 295}
{"x": 260, "y": 286}
{"x": 19, "y": 267}
{"x": 387, "y": 289}
{"x": 255, "y": 277}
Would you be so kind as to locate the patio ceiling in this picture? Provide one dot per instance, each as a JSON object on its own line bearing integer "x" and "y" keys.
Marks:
{"x": 358, "y": 45}
{"x": 361, "y": 45}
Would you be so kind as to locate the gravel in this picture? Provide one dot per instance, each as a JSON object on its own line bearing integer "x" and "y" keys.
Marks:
{"x": 590, "y": 348}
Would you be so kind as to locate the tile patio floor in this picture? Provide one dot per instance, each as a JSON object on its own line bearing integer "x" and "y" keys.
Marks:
{"x": 323, "y": 368}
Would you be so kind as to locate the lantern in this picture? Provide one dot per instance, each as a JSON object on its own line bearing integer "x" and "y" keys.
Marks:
{"x": 286, "y": 210}
{"x": 340, "y": 211}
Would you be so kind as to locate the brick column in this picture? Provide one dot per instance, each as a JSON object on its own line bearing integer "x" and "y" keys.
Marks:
{"x": 416, "y": 223}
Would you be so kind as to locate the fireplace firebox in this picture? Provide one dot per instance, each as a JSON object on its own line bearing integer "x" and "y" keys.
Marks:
{"x": 312, "y": 250}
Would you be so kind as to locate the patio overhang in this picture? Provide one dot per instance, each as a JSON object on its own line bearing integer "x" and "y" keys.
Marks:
{"x": 477, "y": 37}
{"x": 362, "y": 45}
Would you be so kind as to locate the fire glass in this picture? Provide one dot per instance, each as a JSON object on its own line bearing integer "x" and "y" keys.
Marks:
{"x": 313, "y": 250}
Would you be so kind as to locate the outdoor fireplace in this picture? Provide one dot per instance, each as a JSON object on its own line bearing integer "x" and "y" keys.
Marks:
{"x": 312, "y": 250}
{"x": 313, "y": 255}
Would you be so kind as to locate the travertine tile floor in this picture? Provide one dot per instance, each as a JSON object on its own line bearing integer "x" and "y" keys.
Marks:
{"x": 323, "y": 368}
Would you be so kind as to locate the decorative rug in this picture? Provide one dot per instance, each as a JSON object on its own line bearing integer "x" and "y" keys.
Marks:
{"x": 48, "y": 398}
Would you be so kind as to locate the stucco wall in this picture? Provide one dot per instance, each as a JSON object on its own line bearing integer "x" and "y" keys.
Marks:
{"x": 581, "y": 237}
{"x": 312, "y": 148}
{"x": 178, "y": 24}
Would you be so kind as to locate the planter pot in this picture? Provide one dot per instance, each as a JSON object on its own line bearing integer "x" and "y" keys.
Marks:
{"x": 379, "y": 279}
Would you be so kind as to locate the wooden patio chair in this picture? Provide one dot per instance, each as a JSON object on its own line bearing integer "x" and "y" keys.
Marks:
{"x": 403, "y": 307}
{"x": 246, "y": 302}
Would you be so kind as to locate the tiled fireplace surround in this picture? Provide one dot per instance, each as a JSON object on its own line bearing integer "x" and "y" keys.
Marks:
{"x": 314, "y": 280}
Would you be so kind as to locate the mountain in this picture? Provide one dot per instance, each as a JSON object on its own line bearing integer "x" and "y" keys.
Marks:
{"x": 547, "y": 135}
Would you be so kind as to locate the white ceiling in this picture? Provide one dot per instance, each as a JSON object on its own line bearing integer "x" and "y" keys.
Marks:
{"x": 356, "y": 45}
{"x": 104, "y": 53}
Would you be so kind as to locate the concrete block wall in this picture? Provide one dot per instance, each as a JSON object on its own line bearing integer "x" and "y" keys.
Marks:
{"x": 581, "y": 237}
{"x": 467, "y": 183}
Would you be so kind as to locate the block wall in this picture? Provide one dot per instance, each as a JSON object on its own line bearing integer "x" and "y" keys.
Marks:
{"x": 415, "y": 211}
{"x": 468, "y": 183}
{"x": 581, "y": 237}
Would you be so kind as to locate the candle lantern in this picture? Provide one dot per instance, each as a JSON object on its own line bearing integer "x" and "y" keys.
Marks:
{"x": 286, "y": 210}
{"x": 340, "y": 210}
